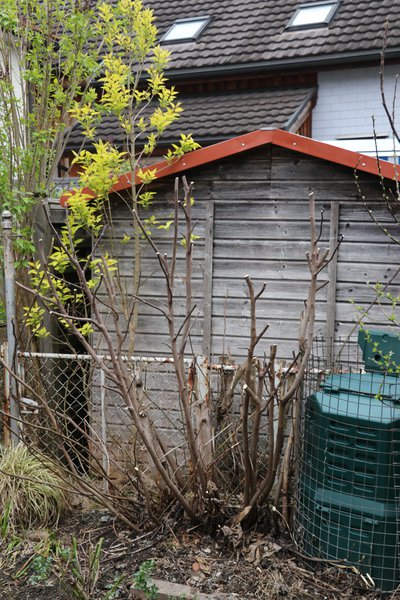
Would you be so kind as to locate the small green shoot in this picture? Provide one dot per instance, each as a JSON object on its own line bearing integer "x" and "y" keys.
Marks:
{"x": 5, "y": 520}
{"x": 142, "y": 580}
{"x": 41, "y": 567}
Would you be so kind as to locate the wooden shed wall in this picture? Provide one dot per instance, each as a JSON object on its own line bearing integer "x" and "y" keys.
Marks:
{"x": 252, "y": 216}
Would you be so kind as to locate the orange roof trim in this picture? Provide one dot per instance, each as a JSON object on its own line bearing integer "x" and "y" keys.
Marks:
{"x": 255, "y": 139}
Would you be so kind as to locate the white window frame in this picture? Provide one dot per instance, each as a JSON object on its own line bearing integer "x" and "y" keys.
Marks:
{"x": 328, "y": 18}
{"x": 204, "y": 21}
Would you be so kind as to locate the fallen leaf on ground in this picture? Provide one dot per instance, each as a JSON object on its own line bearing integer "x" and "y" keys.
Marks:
{"x": 201, "y": 564}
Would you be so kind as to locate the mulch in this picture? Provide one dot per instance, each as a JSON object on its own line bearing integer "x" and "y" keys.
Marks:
{"x": 247, "y": 566}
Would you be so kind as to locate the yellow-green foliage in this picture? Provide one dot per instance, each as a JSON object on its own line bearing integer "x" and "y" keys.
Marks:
{"x": 30, "y": 489}
{"x": 135, "y": 90}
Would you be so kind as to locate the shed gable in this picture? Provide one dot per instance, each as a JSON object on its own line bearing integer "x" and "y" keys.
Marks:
{"x": 252, "y": 216}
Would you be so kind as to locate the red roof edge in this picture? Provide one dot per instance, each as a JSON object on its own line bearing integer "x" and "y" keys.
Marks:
{"x": 255, "y": 139}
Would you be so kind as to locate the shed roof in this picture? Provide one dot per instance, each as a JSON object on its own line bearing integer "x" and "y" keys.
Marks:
{"x": 249, "y": 141}
{"x": 216, "y": 117}
{"x": 253, "y": 33}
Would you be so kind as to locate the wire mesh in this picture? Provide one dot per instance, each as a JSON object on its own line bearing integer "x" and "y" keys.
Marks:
{"x": 349, "y": 473}
{"x": 69, "y": 408}
{"x": 67, "y": 403}
{"x": 262, "y": 427}
{"x": 55, "y": 403}
{"x": 158, "y": 397}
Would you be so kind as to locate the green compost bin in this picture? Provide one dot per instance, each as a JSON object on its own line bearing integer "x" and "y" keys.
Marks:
{"x": 349, "y": 484}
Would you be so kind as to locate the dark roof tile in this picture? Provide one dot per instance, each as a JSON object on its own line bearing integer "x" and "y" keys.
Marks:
{"x": 220, "y": 116}
{"x": 254, "y": 31}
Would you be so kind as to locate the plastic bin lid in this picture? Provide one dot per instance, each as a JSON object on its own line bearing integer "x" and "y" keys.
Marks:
{"x": 385, "y": 387}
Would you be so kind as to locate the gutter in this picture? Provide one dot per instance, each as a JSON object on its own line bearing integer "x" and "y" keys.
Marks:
{"x": 286, "y": 63}
{"x": 270, "y": 66}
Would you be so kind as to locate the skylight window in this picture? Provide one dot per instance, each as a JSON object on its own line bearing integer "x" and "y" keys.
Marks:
{"x": 185, "y": 30}
{"x": 314, "y": 14}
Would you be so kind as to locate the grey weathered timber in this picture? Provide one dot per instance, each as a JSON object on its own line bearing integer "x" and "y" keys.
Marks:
{"x": 208, "y": 279}
{"x": 332, "y": 279}
{"x": 251, "y": 213}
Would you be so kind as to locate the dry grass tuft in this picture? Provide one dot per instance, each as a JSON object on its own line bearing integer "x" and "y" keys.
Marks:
{"x": 30, "y": 490}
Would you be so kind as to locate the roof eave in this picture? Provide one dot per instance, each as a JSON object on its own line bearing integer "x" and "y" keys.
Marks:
{"x": 274, "y": 65}
{"x": 298, "y": 117}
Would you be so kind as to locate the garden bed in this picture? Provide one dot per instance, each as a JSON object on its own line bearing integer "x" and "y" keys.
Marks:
{"x": 252, "y": 566}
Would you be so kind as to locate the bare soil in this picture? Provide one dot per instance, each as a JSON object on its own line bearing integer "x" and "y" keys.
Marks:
{"x": 246, "y": 566}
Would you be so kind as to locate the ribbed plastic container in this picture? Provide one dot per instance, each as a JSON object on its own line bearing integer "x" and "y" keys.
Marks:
{"x": 348, "y": 505}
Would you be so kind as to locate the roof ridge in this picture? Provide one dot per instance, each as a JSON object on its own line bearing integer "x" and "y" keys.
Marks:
{"x": 255, "y": 139}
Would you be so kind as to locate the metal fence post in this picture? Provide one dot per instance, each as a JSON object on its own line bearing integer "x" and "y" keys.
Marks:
{"x": 103, "y": 408}
{"x": 9, "y": 284}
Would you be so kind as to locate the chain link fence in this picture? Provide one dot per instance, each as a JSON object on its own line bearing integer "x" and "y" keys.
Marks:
{"x": 67, "y": 398}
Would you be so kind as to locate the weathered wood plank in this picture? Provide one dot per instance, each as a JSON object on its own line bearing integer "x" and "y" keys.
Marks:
{"x": 157, "y": 343}
{"x": 261, "y": 249}
{"x": 350, "y": 250}
{"x": 348, "y": 311}
{"x": 122, "y": 250}
{"x": 324, "y": 190}
{"x": 269, "y": 270}
{"x": 364, "y": 273}
{"x": 257, "y": 230}
{"x": 231, "y": 288}
{"x": 248, "y": 166}
{"x": 355, "y": 252}
{"x": 155, "y": 323}
{"x": 360, "y": 291}
{"x": 265, "y": 306}
{"x": 241, "y": 190}
{"x": 169, "y": 417}
{"x": 286, "y": 328}
{"x": 151, "y": 264}
{"x": 158, "y": 235}
{"x": 366, "y": 232}
{"x": 208, "y": 280}
{"x": 358, "y": 212}
{"x": 332, "y": 278}
{"x": 297, "y": 167}
{"x": 277, "y": 288}
{"x": 237, "y": 348}
{"x": 268, "y": 211}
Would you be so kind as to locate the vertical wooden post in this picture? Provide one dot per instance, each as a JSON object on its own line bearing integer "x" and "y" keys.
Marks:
{"x": 332, "y": 274}
{"x": 202, "y": 414}
{"x": 208, "y": 278}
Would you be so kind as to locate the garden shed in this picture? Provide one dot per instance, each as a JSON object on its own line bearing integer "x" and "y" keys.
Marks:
{"x": 251, "y": 216}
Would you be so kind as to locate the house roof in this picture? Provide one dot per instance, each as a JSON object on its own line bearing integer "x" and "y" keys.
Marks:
{"x": 253, "y": 33}
{"x": 258, "y": 138}
{"x": 215, "y": 117}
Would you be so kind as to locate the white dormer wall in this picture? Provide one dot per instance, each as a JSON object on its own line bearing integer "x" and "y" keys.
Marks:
{"x": 347, "y": 100}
